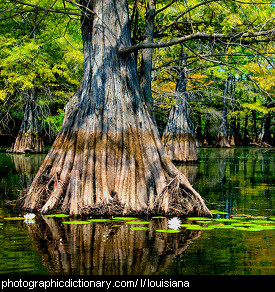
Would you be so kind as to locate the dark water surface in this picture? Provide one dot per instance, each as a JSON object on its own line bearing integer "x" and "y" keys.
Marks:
{"x": 236, "y": 181}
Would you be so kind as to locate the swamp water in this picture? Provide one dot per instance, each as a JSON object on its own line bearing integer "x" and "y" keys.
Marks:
{"x": 237, "y": 181}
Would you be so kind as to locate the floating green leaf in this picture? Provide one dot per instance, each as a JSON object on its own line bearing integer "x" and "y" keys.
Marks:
{"x": 14, "y": 218}
{"x": 267, "y": 227}
{"x": 99, "y": 220}
{"x": 124, "y": 218}
{"x": 225, "y": 220}
{"x": 196, "y": 227}
{"x": 167, "y": 230}
{"x": 137, "y": 222}
{"x": 161, "y": 217}
{"x": 241, "y": 228}
{"x": 57, "y": 215}
{"x": 217, "y": 212}
{"x": 221, "y": 226}
{"x": 139, "y": 228}
{"x": 262, "y": 221}
{"x": 185, "y": 225}
{"x": 76, "y": 222}
{"x": 199, "y": 218}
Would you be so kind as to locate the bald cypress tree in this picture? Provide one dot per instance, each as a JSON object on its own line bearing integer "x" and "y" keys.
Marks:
{"x": 108, "y": 157}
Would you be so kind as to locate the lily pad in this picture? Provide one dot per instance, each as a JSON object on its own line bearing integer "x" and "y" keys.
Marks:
{"x": 217, "y": 212}
{"x": 267, "y": 227}
{"x": 124, "y": 218}
{"x": 199, "y": 218}
{"x": 14, "y": 218}
{"x": 99, "y": 220}
{"x": 139, "y": 228}
{"x": 185, "y": 225}
{"x": 196, "y": 227}
{"x": 221, "y": 226}
{"x": 161, "y": 217}
{"x": 262, "y": 221}
{"x": 225, "y": 220}
{"x": 168, "y": 231}
{"x": 254, "y": 229}
{"x": 76, "y": 222}
{"x": 241, "y": 228}
{"x": 57, "y": 215}
{"x": 137, "y": 222}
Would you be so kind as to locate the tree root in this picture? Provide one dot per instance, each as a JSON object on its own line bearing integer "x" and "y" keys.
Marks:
{"x": 180, "y": 199}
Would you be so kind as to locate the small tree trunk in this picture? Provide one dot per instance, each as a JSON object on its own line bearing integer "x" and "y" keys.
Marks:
{"x": 265, "y": 136}
{"x": 207, "y": 139}
{"x": 108, "y": 158}
{"x": 222, "y": 139}
{"x": 28, "y": 139}
{"x": 246, "y": 138}
{"x": 254, "y": 127}
{"x": 147, "y": 54}
{"x": 178, "y": 137}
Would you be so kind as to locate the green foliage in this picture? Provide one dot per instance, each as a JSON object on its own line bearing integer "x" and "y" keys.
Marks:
{"x": 55, "y": 121}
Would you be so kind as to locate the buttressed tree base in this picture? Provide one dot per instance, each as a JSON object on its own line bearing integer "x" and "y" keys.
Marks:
{"x": 28, "y": 139}
{"x": 108, "y": 158}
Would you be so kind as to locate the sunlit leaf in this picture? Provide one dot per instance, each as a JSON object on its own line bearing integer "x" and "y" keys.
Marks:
{"x": 57, "y": 215}
{"x": 14, "y": 218}
{"x": 99, "y": 220}
{"x": 137, "y": 222}
{"x": 76, "y": 222}
{"x": 124, "y": 218}
{"x": 139, "y": 228}
{"x": 199, "y": 218}
{"x": 167, "y": 231}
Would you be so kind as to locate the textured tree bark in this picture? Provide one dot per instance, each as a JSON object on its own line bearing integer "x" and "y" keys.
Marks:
{"x": 108, "y": 158}
{"x": 178, "y": 137}
{"x": 28, "y": 139}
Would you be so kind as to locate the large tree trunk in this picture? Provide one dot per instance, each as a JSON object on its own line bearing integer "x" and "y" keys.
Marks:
{"x": 28, "y": 139}
{"x": 178, "y": 136}
{"x": 108, "y": 158}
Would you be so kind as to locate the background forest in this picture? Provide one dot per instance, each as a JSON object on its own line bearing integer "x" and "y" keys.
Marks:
{"x": 229, "y": 81}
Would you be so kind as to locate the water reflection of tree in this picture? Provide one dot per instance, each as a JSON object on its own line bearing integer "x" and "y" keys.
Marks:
{"x": 27, "y": 167}
{"x": 190, "y": 170}
{"x": 102, "y": 249}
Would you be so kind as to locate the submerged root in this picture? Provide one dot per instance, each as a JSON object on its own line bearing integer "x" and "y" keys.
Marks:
{"x": 180, "y": 199}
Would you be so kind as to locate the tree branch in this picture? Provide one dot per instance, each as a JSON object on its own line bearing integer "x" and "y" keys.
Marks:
{"x": 197, "y": 35}
{"x": 46, "y": 9}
